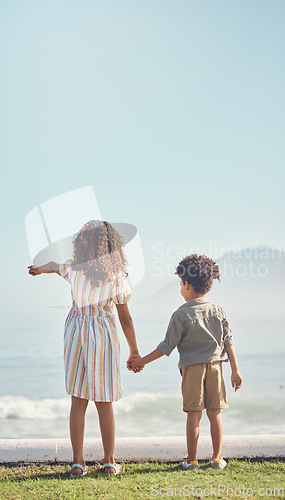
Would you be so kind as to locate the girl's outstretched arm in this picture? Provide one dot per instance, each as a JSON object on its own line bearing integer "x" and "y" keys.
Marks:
{"x": 50, "y": 267}
{"x": 129, "y": 331}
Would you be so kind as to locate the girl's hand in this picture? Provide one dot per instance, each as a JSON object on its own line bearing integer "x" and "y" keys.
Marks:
{"x": 34, "y": 270}
{"x": 131, "y": 359}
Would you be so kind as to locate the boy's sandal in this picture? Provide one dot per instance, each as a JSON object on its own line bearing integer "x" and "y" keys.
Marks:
{"x": 117, "y": 468}
{"x": 192, "y": 466}
{"x": 83, "y": 468}
{"x": 218, "y": 463}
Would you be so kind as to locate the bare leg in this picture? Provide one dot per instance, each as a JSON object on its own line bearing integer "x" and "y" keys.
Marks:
{"x": 76, "y": 425}
{"x": 216, "y": 427}
{"x": 107, "y": 427}
{"x": 192, "y": 433}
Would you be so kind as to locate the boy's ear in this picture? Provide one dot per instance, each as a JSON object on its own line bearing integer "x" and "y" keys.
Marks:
{"x": 187, "y": 285}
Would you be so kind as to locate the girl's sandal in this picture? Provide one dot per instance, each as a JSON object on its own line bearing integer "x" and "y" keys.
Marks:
{"x": 117, "y": 468}
{"x": 83, "y": 468}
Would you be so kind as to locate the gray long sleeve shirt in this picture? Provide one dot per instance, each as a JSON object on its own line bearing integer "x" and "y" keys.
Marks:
{"x": 200, "y": 331}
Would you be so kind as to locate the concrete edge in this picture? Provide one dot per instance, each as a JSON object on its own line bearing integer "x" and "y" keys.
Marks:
{"x": 172, "y": 448}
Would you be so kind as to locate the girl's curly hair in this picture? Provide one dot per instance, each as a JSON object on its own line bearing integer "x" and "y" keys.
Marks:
{"x": 98, "y": 252}
{"x": 199, "y": 271}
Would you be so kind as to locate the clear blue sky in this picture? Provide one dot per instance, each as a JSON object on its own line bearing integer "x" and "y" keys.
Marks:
{"x": 172, "y": 110}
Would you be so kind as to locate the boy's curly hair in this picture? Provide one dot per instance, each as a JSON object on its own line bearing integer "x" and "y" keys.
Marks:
{"x": 199, "y": 271}
{"x": 98, "y": 252}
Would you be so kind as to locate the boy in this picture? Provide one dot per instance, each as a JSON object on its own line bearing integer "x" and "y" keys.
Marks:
{"x": 201, "y": 333}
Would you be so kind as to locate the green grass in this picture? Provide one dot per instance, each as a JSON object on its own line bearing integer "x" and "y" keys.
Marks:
{"x": 145, "y": 480}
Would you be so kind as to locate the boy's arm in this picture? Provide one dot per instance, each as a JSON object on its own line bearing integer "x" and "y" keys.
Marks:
{"x": 129, "y": 332}
{"x": 235, "y": 377}
{"x": 171, "y": 340}
{"x": 50, "y": 267}
{"x": 152, "y": 356}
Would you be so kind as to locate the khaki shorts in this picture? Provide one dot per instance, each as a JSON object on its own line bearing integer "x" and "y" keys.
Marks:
{"x": 203, "y": 387}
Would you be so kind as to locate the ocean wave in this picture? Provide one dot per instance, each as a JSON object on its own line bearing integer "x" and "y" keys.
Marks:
{"x": 18, "y": 407}
{"x": 142, "y": 406}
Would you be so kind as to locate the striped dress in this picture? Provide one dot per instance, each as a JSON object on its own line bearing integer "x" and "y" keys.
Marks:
{"x": 91, "y": 341}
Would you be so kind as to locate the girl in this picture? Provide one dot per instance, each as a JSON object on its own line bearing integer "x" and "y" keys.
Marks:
{"x": 97, "y": 275}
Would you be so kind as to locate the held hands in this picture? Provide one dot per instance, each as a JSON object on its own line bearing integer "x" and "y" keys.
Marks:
{"x": 236, "y": 380}
{"x": 34, "y": 270}
{"x": 134, "y": 363}
{"x": 137, "y": 365}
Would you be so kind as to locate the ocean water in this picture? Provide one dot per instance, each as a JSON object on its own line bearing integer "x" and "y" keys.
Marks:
{"x": 33, "y": 402}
